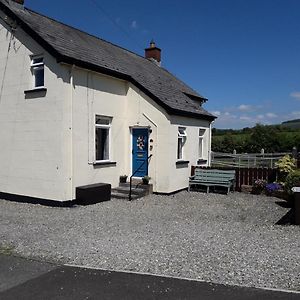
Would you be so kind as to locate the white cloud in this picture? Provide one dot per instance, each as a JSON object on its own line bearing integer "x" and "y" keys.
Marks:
{"x": 245, "y": 118}
{"x": 295, "y": 95}
{"x": 245, "y": 107}
{"x": 260, "y": 117}
{"x": 216, "y": 113}
{"x": 134, "y": 24}
{"x": 271, "y": 115}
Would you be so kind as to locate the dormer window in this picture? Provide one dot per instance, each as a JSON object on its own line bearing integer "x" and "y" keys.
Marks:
{"x": 38, "y": 70}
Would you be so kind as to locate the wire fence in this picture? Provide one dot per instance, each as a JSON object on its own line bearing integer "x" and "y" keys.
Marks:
{"x": 251, "y": 160}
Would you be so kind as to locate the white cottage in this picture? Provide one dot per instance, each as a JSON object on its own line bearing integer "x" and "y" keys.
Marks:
{"x": 77, "y": 110}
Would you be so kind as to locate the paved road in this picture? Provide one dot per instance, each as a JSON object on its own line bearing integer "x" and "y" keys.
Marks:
{"x": 27, "y": 279}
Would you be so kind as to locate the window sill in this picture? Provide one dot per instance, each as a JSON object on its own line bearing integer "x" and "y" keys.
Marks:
{"x": 35, "y": 90}
{"x": 104, "y": 163}
{"x": 201, "y": 161}
{"x": 182, "y": 162}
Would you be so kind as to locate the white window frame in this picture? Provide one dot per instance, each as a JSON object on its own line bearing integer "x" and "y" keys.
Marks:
{"x": 201, "y": 134}
{"x": 181, "y": 136}
{"x": 105, "y": 126}
{"x": 37, "y": 66}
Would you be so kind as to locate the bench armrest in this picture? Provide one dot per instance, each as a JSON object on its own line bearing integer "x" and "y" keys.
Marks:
{"x": 192, "y": 177}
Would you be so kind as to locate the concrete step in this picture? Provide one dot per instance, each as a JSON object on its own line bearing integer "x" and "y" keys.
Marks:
{"x": 139, "y": 185}
{"x": 117, "y": 195}
{"x": 125, "y": 190}
{"x": 137, "y": 191}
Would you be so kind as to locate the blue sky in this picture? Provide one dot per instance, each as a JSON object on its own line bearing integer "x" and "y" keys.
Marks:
{"x": 243, "y": 55}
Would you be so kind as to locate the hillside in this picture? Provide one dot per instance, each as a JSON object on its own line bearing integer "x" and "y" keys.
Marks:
{"x": 272, "y": 138}
{"x": 295, "y": 124}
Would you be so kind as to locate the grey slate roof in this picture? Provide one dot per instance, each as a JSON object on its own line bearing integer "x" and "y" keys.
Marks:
{"x": 71, "y": 45}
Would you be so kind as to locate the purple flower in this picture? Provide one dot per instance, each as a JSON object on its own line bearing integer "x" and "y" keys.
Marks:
{"x": 272, "y": 187}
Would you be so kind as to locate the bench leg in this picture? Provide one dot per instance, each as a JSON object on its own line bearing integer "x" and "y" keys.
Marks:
{"x": 228, "y": 190}
{"x": 189, "y": 188}
{"x": 207, "y": 189}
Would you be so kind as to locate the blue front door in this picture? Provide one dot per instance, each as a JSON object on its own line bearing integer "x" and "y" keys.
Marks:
{"x": 140, "y": 151}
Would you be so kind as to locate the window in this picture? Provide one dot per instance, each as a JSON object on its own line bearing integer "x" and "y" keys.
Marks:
{"x": 181, "y": 142}
{"x": 102, "y": 138}
{"x": 37, "y": 69}
{"x": 200, "y": 145}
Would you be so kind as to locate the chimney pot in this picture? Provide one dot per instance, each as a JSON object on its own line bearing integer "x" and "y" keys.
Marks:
{"x": 153, "y": 53}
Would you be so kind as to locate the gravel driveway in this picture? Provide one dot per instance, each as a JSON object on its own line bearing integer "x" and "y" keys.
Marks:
{"x": 224, "y": 239}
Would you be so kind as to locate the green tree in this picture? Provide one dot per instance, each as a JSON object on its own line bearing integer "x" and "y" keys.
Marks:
{"x": 228, "y": 144}
{"x": 263, "y": 137}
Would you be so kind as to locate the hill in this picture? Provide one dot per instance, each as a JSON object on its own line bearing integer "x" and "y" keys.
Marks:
{"x": 295, "y": 124}
{"x": 273, "y": 138}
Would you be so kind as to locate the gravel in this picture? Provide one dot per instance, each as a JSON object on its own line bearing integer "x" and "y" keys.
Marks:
{"x": 217, "y": 238}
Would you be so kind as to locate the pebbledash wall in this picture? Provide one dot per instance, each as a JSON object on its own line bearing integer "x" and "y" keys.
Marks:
{"x": 48, "y": 139}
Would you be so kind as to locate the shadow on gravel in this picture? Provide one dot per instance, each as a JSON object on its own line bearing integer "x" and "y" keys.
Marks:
{"x": 289, "y": 217}
{"x": 285, "y": 204}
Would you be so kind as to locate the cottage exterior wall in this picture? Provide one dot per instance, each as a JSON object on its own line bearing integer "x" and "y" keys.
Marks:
{"x": 179, "y": 173}
{"x": 96, "y": 94}
{"x": 34, "y": 127}
{"x": 48, "y": 140}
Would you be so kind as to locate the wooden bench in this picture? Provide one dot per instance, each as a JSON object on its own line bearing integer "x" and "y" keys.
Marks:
{"x": 213, "y": 177}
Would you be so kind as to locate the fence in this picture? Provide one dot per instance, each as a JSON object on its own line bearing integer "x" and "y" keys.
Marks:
{"x": 247, "y": 176}
{"x": 253, "y": 160}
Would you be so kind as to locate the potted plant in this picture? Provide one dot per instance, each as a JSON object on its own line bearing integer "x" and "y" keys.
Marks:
{"x": 146, "y": 179}
{"x": 123, "y": 178}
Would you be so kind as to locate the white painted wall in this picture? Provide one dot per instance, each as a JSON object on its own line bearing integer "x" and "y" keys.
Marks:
{"x": 47, "y": 142}
{"x": 96, "y": 94}
{"x": 33, "y": 129}
{"x": 190, "y": 149}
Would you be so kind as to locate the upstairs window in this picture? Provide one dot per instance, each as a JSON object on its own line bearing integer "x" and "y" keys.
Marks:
{"x": 38, "y": 70}
{"x": 200, "y": 144}
{"x": 181, "y": 142}
{"x": 102, "y": 138}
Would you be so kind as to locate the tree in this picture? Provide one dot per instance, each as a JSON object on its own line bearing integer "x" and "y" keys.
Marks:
{"x": 263, "y": 137}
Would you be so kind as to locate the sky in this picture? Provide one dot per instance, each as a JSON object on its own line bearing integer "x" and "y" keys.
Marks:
{"x": 243, "y": 55}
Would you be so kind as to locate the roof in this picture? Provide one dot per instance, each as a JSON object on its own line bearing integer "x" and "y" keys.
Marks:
{"x": 70, "y": 45}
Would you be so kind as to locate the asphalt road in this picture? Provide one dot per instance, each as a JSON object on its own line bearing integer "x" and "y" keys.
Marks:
{"x": 26, "y": 279}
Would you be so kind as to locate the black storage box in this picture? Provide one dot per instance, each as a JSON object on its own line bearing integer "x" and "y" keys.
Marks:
{"x": 93, "y": 193}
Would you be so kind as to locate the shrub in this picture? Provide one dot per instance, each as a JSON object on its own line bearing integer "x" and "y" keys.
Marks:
{"x": 292, "y": 179}
{"x": 259, "y": 185}
{"x": 286, "y": 164}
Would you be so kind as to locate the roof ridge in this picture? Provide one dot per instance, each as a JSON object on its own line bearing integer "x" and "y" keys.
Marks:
{"x": 87, "y": 33}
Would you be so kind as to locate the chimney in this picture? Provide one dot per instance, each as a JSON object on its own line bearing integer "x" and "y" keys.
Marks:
{"x": 19, "y": 1}
{"x": 153, "y": 53}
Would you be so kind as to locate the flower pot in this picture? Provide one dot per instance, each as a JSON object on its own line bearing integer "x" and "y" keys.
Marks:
{"x": 123, "y": 179}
